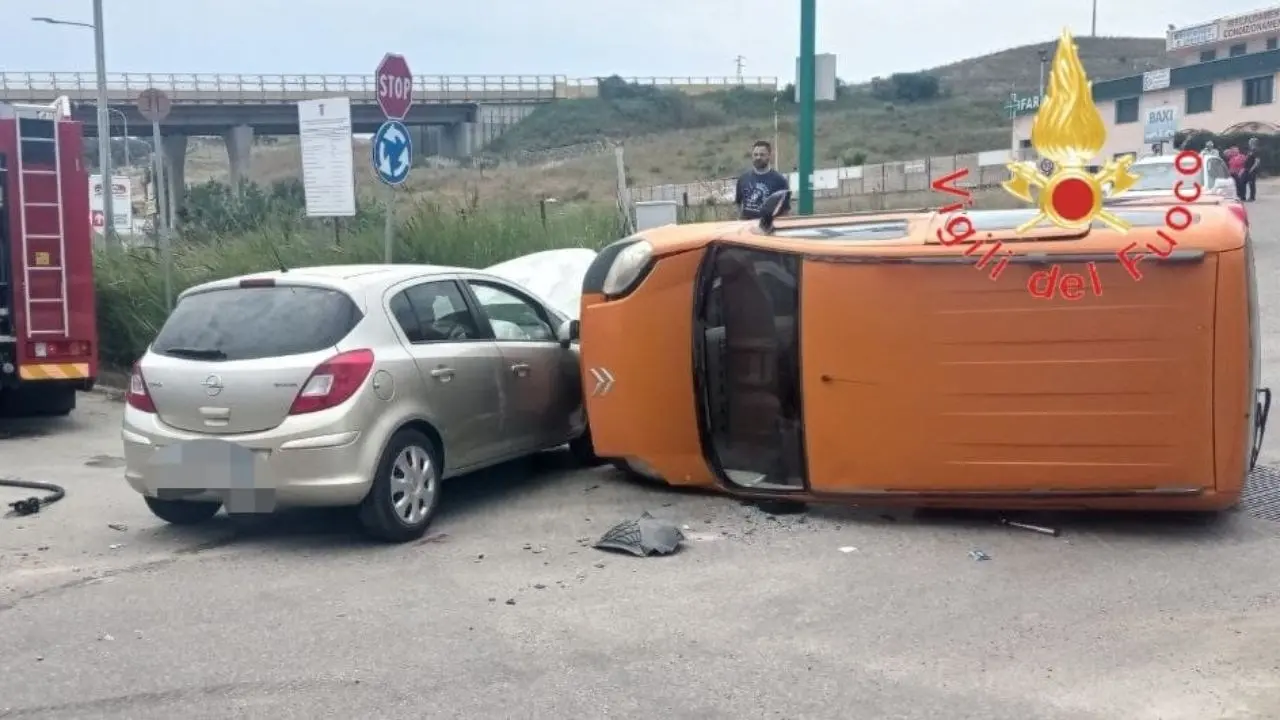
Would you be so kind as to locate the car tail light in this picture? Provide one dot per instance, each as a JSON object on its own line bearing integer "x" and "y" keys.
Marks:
{"x": 139, "y": 398}
{"x": 333, "y": 382}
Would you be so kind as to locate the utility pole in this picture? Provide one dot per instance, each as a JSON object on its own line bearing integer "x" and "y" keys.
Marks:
{"x": 1093, "y": 28}
{"x": 739, "y": 62}
{"x": 805, "y": 133}
{"x": 1044, "y": 58}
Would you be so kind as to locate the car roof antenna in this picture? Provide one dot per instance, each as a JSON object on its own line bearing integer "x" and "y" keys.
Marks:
{"x": 279, "y": 261}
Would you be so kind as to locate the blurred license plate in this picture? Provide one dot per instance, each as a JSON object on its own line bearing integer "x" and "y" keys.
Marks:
{"x": 240, "y": 474}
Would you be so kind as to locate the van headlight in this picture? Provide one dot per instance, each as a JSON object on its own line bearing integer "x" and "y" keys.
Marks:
{"x": 628, "y": 269}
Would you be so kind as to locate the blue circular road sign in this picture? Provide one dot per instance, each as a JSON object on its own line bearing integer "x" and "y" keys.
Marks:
{"x": 392, "y": 152}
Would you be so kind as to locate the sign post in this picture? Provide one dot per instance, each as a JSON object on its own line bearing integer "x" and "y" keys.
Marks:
{"x": 154, "y": 105}
{"x": 392, "y": 148}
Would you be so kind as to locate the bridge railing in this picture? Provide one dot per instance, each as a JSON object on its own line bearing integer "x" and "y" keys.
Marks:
{"x": 251, "y": 89}
{"x": 212, "y": 87}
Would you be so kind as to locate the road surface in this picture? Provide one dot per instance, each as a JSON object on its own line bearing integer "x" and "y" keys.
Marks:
{"x": 504, "y": 612}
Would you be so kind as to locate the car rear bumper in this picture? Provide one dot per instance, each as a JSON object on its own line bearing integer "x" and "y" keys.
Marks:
{"x": 320, "y": 468}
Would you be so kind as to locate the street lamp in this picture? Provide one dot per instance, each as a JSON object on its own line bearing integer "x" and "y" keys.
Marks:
{"x": 124, "y": 122}
{"x": 104, "y": 119}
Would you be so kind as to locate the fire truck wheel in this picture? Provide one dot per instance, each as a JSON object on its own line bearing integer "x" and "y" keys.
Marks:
{"x": 182, "y": 512}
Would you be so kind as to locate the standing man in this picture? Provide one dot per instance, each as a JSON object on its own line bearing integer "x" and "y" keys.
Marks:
{"x": 759, "y": 182}
{"x": 1252, "y": 163}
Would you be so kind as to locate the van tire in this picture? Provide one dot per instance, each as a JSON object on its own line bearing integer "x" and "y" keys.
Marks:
{"x": 182, "y": 512}
{"x": 378, "y": 513}
{"x": 583, "y": 450}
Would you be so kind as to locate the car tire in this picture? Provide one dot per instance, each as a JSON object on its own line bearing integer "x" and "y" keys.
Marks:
{"x": 584, "y": 450}
{"x": 405, "y": 490}
{"x": 182, "y": 512}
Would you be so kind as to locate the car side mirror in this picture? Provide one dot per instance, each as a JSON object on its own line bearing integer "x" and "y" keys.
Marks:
{"x": 568, "y": 333}
{"x": 772, "y": 208}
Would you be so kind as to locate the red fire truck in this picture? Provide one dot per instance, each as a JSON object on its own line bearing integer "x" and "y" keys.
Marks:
{"x": 48, "y": 323}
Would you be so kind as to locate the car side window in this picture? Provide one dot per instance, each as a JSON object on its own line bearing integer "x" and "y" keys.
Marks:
{"x": 1217, "y": 170}
{"x": 511, "y": 316}
{"x": 434, "y": 312}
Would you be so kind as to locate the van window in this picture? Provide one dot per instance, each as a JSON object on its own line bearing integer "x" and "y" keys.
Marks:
{"x": 877, "y": 230}
{"x": 992, "y": 220}
{"x": 250, "y": 323}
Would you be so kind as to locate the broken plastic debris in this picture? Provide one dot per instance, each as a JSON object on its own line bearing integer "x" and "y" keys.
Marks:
{"x": 848, "y": 549}
{"x": 642, "y": 537}
{"x": 1028, "y": 526}
{"x": 979, "y": 555}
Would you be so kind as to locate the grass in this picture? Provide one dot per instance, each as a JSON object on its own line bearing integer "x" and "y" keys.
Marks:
{"x": 130, "y": 283}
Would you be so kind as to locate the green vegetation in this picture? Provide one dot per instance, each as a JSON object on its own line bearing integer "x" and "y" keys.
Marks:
{"x": 270, "y": 224}
{"x": 977, "y": 88}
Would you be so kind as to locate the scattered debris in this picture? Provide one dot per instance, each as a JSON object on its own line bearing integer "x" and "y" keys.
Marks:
{"x": 642, "y": 537}
{"x": 539, "y": 586}
{"x": 848, "y": 549}
{"x": 434, "y": 538}
{"x": 116, "y": 546}
{"x": 781, "y": 507}
{"x": 1027, "y": 526}
{"x": 511, "y": 601}
{"x": 118, "y": 526}
{"x": 979, "y": 555}
{"x": 105, "y": 461}
{"x": 105, "y": 637}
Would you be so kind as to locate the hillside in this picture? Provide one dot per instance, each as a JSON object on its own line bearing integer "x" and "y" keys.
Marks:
{"x": 674, "y": 138}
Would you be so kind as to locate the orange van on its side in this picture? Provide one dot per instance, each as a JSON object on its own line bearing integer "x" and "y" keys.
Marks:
{"x": 858, "y": 359}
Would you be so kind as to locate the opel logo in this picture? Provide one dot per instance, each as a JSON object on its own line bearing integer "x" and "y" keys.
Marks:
{"x": 212, "y": 385}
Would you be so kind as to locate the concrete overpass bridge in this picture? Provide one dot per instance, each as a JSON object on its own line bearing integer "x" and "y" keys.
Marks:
{"x": 456, "y": 113}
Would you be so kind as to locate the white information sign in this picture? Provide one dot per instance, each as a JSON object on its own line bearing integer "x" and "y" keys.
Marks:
{"x": 328, "y": 174}
{"x": 121, "y": 204}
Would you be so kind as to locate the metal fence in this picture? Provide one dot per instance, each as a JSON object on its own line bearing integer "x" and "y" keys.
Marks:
{"x": 984, "y": 170}
{"x": 274, "y": 88}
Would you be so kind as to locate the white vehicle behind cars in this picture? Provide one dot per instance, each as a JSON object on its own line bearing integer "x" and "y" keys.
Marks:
{"x": 361, "y": 385}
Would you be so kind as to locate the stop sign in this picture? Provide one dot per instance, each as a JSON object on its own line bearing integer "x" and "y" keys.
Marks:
{"x": 395, "y": 86}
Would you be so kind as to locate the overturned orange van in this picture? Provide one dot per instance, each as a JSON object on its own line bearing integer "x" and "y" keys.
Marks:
{"x": 864, "y": 359}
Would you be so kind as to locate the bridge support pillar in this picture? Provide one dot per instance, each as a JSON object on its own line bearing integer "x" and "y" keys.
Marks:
{"x": 239, "y": 140}
{"x": 175, "y": 172}
{"x": 457, "y": 141}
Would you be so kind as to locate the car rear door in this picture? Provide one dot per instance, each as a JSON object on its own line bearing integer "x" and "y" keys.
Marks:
{"x": 460, "y": 366}
{"x": 543, "y": 390}
{"x": 233, "y": 359}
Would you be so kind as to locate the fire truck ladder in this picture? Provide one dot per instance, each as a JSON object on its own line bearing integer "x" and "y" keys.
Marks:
{"x": 38, "y": 125}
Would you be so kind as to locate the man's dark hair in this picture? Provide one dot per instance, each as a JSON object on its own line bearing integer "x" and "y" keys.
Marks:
{"x": 762, "y": 143}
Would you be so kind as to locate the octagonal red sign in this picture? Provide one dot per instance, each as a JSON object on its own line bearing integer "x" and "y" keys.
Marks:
{"x": 395, "y": 86}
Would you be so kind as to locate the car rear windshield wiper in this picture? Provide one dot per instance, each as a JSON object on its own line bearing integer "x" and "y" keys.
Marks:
{"x": 196, "y": 353}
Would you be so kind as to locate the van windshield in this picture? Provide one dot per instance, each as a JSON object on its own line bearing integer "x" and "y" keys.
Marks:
{"x": 239, "y": 323}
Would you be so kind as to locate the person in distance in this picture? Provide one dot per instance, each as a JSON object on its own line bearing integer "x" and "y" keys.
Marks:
{"x": 759, "y": 182}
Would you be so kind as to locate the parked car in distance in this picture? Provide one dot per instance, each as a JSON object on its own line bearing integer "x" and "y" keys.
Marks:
{"x": 1158, "y": 176}
{"x": 361, "y": 385}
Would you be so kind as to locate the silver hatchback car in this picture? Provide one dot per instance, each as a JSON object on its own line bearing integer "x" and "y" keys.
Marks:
{"x": 347, "y": 385}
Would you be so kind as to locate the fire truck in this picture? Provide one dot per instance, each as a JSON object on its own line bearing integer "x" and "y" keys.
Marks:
{"x": 48, "y": 322}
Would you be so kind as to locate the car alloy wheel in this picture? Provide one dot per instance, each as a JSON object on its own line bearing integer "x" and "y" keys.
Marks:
{"x": 406, "y": 488}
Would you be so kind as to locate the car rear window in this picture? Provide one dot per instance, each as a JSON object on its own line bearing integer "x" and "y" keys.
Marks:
{"x": 241, "y": 323}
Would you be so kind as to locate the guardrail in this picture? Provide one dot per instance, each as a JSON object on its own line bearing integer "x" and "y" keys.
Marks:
{"x": 262, "y": 89}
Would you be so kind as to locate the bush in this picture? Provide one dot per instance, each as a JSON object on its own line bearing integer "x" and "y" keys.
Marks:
{"x": 130, "y": 283}
{"x": 1268, "y": 144}
{"x": 906, "y": 87}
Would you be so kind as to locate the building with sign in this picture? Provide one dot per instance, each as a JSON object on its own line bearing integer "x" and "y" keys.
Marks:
{"x": 1221, "y": 77}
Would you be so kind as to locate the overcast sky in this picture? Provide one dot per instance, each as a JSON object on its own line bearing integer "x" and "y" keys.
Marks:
{"x": 577, "y": 38}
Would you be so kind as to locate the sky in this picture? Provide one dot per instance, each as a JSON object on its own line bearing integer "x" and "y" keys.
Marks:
{"x": 574, "y": 38}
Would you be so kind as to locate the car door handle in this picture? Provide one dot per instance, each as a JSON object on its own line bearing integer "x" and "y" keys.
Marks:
{"x": 520, "y": 369}
{"x": 443, "y": 374}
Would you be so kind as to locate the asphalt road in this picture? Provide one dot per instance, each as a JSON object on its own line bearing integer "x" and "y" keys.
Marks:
{"x": 503, "y": 612}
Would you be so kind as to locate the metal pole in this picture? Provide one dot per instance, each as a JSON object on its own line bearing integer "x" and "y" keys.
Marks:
{"x": 1093, "y": 28}
{"x": 777, "y": 154}
{"x": 104, "y": 126}
{"x": 808, "y": 67}
{"x": 124, "y": 120}
{"x": 1041, "y": 98}
{"x": 166, "y": 257}
{"x": 388, "y": 230}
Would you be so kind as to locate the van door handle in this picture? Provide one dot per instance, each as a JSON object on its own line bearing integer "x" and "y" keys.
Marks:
{"x": 520, "y": 369}
{"x": 443, "y": 374}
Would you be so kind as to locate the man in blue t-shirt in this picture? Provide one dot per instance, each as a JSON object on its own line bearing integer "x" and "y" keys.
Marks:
{"x": 758, "y": 183}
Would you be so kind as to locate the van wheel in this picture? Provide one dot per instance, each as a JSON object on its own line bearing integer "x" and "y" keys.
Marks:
{"x": 182, "y": 512}
{"x": 584, "y": 450}
{"x": 406, "y": 489}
